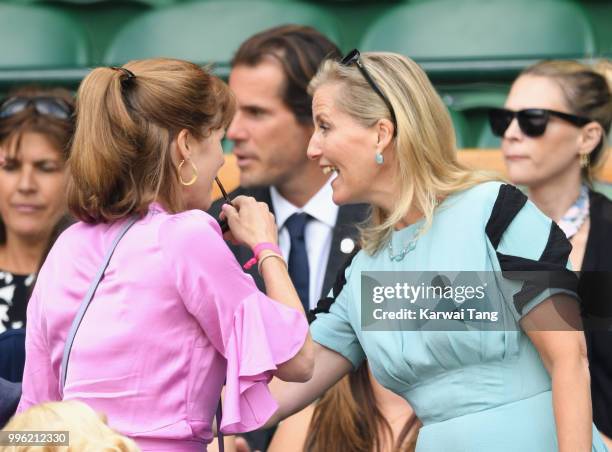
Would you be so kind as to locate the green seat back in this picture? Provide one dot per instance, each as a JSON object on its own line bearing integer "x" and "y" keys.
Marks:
{"x": 473, "y": 101}
{"x": 483, "y": 29}
{"x": 209, "y": 31}
{"x": 600, "y": 14}
{"x": 40, "y": 37}
{"x": 461, "y": 128}
{"x": 603, "y": 187}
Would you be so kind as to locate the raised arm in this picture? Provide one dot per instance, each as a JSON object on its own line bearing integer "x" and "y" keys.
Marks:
{"x": 251, "y": 223}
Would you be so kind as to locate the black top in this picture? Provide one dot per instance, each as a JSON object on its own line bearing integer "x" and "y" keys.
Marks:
{"x": 595, "y": 290}
{"x": 14, "y": 293}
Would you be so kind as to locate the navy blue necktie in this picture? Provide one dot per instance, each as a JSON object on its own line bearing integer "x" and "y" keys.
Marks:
{"x": 298, "y": 259}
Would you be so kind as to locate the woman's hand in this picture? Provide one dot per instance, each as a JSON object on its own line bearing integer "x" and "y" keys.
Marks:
{"x": 250, "y": 222}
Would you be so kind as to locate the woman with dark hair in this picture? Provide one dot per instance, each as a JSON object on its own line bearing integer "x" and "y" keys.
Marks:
{"x": 36, "y": 127}
{"x": 554, "y": 131}
{"x": 174, "y": 316}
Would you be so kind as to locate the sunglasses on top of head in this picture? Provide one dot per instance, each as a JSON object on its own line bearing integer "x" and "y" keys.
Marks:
{"x": 531, "y": 121}
{"x": 48, "y": 106}
{"x": 354, "y": 57}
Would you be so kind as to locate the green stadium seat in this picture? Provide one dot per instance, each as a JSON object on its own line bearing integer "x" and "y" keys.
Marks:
{"x": 600, "y": 13}
{"x": 473, "y": 101}
{"x": 603, "y": 187}
{"x": 154, "y": 3}
{"x": 34, "y": 37}
{"x": 477, "y": 38}
{"x": 461, "y": 127}
{"x": 210, "y": 31}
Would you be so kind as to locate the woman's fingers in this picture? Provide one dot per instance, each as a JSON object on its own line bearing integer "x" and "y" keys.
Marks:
{"x": 228, "y": 211}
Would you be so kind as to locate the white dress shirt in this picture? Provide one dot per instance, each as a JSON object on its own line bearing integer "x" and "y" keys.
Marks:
{"x": 317, "y": 234}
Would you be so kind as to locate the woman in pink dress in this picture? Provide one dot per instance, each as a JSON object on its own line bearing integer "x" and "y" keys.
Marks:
{"x": 174, "y": 317}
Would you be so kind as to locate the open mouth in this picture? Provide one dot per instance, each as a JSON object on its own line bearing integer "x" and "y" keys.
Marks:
{"x": 330, "y": 169}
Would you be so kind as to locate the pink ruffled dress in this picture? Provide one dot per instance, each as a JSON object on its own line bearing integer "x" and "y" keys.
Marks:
{"x": 173, "y": 319}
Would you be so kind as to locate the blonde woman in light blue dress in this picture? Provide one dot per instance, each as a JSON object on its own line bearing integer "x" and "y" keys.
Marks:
{"x": 381, "y": 127}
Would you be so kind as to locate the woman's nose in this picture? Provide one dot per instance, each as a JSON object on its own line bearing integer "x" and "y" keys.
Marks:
{"x": 513, "y": 131}
{"x": 27, "y": 180}
{"x": 314, "y": 151}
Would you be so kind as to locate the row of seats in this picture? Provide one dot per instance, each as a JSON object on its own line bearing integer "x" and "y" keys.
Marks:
{"x": 454, "y": 37}
{"x": 471, "y": 48}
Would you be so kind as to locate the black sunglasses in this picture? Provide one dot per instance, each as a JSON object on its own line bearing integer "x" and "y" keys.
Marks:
{"x": 354, "y": 57}
{"x": 532, "y": 121}
{"x": 50, "y": 106}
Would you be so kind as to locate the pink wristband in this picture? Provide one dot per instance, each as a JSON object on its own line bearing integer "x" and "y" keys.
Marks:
{"x": 257, "y": 249}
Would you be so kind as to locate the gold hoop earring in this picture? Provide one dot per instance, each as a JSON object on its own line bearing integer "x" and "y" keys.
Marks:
{"x": 194, "y": 177}
{"x": 584, "y": 160}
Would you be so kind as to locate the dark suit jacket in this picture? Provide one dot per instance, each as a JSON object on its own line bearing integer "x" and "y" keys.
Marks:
{"x": 595, "y": 290}
{"x": 348, "y": 217}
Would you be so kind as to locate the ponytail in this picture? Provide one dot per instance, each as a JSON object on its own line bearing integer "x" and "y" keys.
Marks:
{"x": 127, "y": 119}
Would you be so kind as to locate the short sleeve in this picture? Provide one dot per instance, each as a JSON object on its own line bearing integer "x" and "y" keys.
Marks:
{"x": 253, "y": 332}
{"x": 531, "y": 250}
{"x": 332, "y": 327}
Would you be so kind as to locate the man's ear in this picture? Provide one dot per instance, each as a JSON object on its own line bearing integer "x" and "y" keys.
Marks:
{"x": 590, "y": 137}
{"x": 182, "y": 145}
{"x": 384, "y": 129}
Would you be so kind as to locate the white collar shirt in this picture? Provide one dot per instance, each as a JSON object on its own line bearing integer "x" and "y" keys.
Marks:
{"x": 317, "y": 234}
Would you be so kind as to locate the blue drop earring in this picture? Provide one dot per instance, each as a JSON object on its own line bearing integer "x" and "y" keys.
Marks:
{"x": 379, "y": 158}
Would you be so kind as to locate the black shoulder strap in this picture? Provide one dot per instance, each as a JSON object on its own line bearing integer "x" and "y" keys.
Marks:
{"x": 325, "y": 303}
{"x": 510, "y": 200}
{"x": 549, "y": 270}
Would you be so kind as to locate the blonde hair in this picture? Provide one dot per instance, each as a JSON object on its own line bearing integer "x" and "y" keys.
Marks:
{"x": 586, "y": 91}
{"x": 425, "y": 147}
{"x": 87, "y": 430}
{"x": 120, "y": 158}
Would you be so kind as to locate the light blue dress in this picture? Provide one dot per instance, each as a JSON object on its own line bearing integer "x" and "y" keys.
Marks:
{"x": 473, "y": 390}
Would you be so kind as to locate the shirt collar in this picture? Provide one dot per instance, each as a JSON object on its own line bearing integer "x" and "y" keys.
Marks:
{"x": 320, "y": 206}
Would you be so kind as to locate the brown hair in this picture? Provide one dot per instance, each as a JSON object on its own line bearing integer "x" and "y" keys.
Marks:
{"x": 58, "y": 131}
{"x": 120, "y": 160}
{"x": 587, "y": 93}
{"x": 299, "y": 50}
{"x": 347, "y": 418}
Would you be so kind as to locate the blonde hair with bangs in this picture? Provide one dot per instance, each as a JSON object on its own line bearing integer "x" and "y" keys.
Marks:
{"x": 428, "y": 168}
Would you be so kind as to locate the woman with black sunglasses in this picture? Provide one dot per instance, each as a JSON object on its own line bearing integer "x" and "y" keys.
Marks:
{"x": 477, "y": 383}
{"x": 563, "y": 111}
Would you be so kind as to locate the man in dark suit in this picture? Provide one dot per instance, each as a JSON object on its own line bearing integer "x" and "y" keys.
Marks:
{"x": 271, "y": 131}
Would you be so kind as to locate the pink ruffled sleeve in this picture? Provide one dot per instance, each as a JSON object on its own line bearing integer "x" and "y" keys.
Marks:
{"x": 253, "y": 332}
